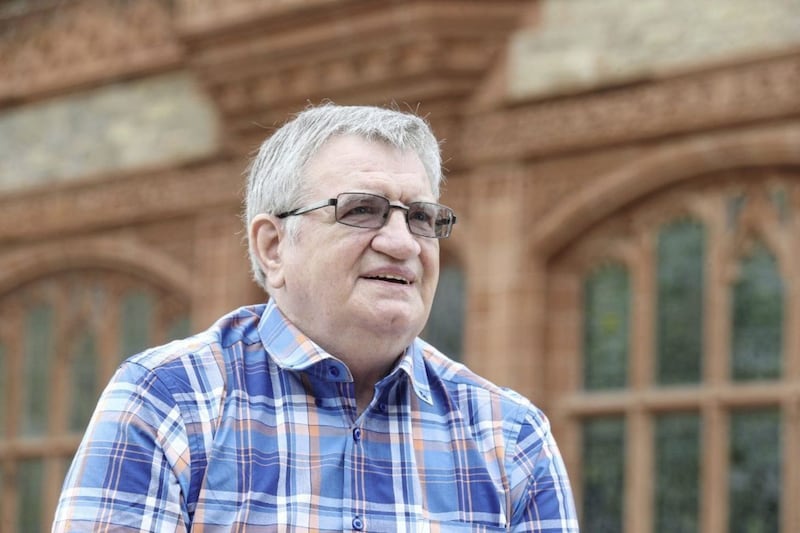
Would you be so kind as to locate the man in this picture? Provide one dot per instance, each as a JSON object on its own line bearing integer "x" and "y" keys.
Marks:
{"x": 322, "y": 410}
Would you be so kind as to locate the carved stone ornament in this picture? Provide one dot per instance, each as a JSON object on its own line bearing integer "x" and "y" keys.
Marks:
{"x": 72, "y": 44}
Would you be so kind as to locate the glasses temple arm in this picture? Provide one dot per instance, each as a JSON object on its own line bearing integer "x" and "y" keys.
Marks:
{"x": 304, "y": 210}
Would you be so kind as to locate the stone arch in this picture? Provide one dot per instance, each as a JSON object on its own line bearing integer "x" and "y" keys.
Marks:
{"x": 118, "y": 255}
{"x": 668, "y": 165}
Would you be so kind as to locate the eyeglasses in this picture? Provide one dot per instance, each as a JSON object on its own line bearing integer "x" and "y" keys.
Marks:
{"x": 364, "y": 210}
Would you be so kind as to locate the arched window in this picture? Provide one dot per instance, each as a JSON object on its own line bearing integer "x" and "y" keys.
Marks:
{"x": 681, "y": 414}
{"x": 61, "y": 338}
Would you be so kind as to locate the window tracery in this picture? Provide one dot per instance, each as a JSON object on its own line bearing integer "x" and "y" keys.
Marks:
{"x": 708, "y": 358}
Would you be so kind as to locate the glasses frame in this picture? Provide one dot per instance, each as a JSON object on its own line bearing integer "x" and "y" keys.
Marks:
{"x": 447, "y": 222}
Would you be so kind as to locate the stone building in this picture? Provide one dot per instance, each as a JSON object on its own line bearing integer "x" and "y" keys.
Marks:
{"x": 626, "y": 175}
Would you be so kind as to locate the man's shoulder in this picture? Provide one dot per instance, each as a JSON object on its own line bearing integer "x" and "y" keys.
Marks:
{"x": 462, "y": 382}
{"x": 208, "y": 352}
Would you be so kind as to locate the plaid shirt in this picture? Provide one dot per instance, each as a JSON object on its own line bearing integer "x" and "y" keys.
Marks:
{"x": 251, "y": 426}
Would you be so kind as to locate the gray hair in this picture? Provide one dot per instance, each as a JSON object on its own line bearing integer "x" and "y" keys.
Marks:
{"x": 276, "y": 181}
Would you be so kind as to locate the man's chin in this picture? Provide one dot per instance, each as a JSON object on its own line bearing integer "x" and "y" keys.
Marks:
{"x": 395, "y": 322}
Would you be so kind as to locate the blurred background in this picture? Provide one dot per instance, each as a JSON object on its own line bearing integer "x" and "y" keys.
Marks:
{"x": 626, "y": 175}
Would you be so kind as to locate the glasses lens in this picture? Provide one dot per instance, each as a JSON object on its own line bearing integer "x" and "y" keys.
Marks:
{"x": 430, "y": 220}
{"x": 361, "y": 210}
{"x": 444, "y": 222}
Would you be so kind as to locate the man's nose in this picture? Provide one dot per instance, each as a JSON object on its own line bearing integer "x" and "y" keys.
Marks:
{"x": 394, "y": 238}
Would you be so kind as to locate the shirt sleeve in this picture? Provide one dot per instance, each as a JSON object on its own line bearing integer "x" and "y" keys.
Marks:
{"x": 131, "y": 469}
{"x": 541, "y": 491}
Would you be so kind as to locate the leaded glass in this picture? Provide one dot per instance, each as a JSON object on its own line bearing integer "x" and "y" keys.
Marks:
{"x": 736, "y": 204}
{"x": 137, "y": 310}
{"x": 755, "y": 471}
{"x": 677, "y": 480}
{"x": 445, "y": 327}
{"x": 37, "y": 360}
{"x": 3, "y": 392}
{"x": 681, "y": 257}
{"x": 603, "y": 473}
{"x": 29, "y": 485}
{"x": 83, "y": 382}
{"x": 606, "y": 327}
{"x": 780, "y": 200}
{"x": 179, "y": 328}
{"x": 757, "y": 318}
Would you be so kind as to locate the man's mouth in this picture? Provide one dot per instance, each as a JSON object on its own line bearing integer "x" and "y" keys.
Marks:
{"x": 391, "y": 279}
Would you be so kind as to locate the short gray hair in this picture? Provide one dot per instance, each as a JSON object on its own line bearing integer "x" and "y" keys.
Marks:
{"x": 276, "y": 180}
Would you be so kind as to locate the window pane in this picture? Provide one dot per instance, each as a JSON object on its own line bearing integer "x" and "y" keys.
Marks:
{"x": 5, "y": 511}
{"x": 757, "y": 318}
{"x": 137, "y": 309}
{"x": 29, "y": 485}
{"x": 3, "y": 393}
{"x": 736, "y": 205}
{"x": 677, "y": 473}
{"x": 606, "y": 323}
{"x": 681, "y": 255}
{"x": 755, "y": 471}
{"x": 603, "y": 474}
{"x": 780, "y": 201}
{"x": 179, "y": 329}
{"x": 83, "y": 375}
{"x": 445, "y": 327}
{"x": 38, "y": 357}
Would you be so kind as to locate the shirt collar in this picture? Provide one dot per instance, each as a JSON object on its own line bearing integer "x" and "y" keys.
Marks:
{"x": 291, "y": 349}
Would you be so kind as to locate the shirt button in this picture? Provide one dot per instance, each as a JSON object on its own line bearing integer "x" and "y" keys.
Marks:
{"x": 333, "y": 371}
{"x": 382, "y": 407}
{"x": 358, "y": 524}
{"x": 357, "y": 436}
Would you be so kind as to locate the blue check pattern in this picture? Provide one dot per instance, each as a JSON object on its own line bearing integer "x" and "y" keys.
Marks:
{"x": 250, "y": 426}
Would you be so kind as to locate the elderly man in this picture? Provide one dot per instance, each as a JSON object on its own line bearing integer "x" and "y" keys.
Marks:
{"x": 322, "y": 410}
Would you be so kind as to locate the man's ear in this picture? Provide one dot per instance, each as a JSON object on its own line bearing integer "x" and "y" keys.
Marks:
{"x": 266, "y": 234}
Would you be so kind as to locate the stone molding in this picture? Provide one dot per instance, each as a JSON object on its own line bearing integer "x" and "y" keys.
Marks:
{"x": 200, "y": 16}
{"x": 286, "y": 81}
{"x": 32, "y": 262}
{"x": 669, "y": 165}
{"x": 718, "y": 98}
{"x": 107, "y": 202}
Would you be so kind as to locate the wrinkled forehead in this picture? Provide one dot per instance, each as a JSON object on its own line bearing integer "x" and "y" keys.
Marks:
{"x": 356, "y": 164}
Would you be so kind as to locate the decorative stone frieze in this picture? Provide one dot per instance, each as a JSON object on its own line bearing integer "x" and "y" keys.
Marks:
{"x": 115, "y": 202}
{"x": 87, "y": 42}
{"x": 712, "y": 99}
